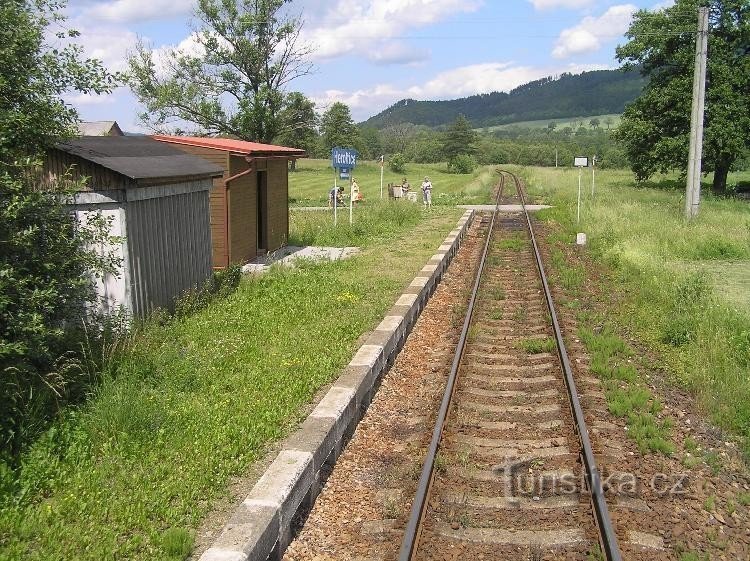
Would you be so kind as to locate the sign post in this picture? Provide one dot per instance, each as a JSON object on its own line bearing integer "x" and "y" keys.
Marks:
{"x": 343, "y": 161}
{"x": 580, "y": 163}
{"x": 382, "y": 162}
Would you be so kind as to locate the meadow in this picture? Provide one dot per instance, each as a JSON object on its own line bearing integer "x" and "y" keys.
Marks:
{"x": 187, "y": 403}
{"x": 310, "y": 183}
{"x": 681, "y": 287}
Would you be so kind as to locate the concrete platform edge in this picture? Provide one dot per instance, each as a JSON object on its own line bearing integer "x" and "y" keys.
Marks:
{"x": 262, "y": 526}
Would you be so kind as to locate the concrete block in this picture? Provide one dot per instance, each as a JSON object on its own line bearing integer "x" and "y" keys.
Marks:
{"x": 444, "y": 247}
{"x": 419, "y": 282}
{"x": 385, "y": 339}
{"x": 335, "y": 402}
{"x": 285, "y": 483}
{"x": 407, "y": 299}
{"x": 390, "y": 323}
{"x": 367, "y": 355}
{"x": 438, "y": 257}
{"x": 220, "y": 554}
{"x": 317, "y": 436}
{"x": 430, "y": 268}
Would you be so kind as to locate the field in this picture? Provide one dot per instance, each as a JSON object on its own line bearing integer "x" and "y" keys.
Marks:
{"x": 186, "y": 404}
{"x": 573, "y": 123}
{"x": 681, "y": 288}
{"x": 310, "y": 184}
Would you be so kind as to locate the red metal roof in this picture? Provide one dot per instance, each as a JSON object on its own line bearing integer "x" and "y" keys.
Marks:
{"x": 231, "y": 145}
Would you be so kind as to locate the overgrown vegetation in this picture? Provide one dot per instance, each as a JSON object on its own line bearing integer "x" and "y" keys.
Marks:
{"x": 45, "y": 265}
{"x": 670, "y": 280}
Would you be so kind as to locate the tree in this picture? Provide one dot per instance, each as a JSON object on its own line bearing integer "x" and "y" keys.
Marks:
{"x": 594, "y": 123}
{"x": 460, "y": 138}
{"x": 337, "y": 127}
{"x": 44, "y": 263}
{"x": 232, "y": 83}
{"x": 371, "y": 147}
{"x": 655, "y": 129}
{"x": 551, "y": 126}
{"x": 301, "y": 124}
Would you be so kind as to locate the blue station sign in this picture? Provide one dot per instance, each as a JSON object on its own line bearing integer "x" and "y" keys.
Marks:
{"x": 344, "y": 158}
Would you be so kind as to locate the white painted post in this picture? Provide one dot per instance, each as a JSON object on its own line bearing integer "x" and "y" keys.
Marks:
{"x": 382, "y": 162}
{"x": 578, "y": 214}
{"x": 351, "y": 198}
{"x": 335, "y": 197}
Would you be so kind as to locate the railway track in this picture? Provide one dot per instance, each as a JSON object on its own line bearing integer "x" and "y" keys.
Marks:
{"x": 510, "y": 473}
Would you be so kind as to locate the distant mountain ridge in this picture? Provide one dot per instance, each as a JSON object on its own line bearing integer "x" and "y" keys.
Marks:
{"x": 570, "y": 95}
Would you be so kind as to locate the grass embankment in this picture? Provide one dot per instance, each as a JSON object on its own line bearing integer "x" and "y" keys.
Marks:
{"x": 678, "y": 286}
{"x": 310, "y": 184}
{"x": 189, "y": 403}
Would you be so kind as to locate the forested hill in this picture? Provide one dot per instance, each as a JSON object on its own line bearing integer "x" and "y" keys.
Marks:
{"x": 590, "y": 93}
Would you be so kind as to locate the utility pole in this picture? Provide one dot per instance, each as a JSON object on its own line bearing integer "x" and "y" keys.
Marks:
{"x": 693, "y": 192}
{"x": 555, "y": 157}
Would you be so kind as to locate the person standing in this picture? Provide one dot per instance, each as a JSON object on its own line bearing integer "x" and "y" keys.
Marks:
{"x": 427, "y": 192}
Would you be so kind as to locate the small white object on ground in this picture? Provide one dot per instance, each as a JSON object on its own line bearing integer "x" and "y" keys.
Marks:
{"x": 288, "y": 254}
{"x": 581, "y": 238}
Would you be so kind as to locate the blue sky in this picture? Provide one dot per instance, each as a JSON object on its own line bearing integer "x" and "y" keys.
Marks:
{"x": 371, "y": 53}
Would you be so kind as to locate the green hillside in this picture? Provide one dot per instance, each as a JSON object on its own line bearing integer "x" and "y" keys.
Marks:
{"x": 601, "y": 92}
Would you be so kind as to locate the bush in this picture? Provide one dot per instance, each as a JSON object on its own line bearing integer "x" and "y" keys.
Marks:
{"x": 45, "y": 286}
{"x": 220, "y": 285}
{"x": 397, "y": 163}
{"x": 463, "y": 163}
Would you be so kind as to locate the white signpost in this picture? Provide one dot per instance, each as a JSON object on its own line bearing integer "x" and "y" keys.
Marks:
{"x": 343, "y": 161}
{"x": 580, "y": 162}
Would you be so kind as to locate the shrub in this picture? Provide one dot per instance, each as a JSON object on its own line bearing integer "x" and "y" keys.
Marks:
{"x": 463, "y": 163}
{"x": 45, "y": 286}
{"x": 397, "y": 163}
{"x": 220, "y": 285}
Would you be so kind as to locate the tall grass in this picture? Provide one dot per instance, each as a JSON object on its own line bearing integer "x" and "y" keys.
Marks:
{"x": 671, "y": 277}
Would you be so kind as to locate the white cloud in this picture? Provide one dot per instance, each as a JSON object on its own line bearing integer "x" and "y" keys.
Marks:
{"x": 367, "y": 27}
{"x": 549, "y": 4}
{"x": 588, "y": 35}
{"x": 457, "y": 82}
{"x": 126, "y": 11}
{"x": 82, "y": 99}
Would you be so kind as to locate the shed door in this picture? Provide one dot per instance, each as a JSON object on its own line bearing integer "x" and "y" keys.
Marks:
{"x": 262, "y": 210}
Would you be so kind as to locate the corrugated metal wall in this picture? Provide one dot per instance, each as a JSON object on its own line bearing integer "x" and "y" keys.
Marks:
{"x": 169, "y": 246}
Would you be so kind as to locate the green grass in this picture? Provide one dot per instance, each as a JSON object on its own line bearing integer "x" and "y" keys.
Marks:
{"x": 190, "y": 403}
{"x": 310, "y": 184}
{"x": 682, "y": 287}
{"x": 626, "y": 396}
{"x": 535, "y": 346}
{"x": 513, "y": 243}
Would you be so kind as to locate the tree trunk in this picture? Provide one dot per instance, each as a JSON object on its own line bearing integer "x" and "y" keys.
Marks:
{"x": 719, "y": 186}
{"x": 292, "y": 165}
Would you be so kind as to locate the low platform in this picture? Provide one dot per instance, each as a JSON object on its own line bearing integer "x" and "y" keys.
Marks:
{"x": 290, "y": 253}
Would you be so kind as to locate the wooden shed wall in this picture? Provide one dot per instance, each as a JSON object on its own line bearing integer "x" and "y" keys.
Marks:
{"x": 60, "y": 166}
{"x": 278, "y": 203}
{"x": 243, "y": 228}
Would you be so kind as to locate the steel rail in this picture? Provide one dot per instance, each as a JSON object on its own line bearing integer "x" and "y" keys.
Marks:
{"x": 411, "y": 534}
{"x": 593, "y": 477}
